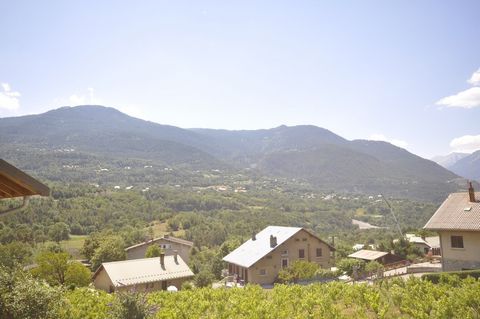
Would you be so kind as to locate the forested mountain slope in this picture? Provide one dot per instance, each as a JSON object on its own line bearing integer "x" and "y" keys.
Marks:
{"x": 306, "y": 154}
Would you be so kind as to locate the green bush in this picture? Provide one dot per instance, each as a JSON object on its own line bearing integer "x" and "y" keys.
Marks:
{"x": 131, "y": 305}
{"x": 203, "y": 279}
{"x": 298, "y": 270}
{"x": 438, "y": 277}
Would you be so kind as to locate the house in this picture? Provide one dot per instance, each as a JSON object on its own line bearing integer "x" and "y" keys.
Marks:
{"x": 372, "y": 255}
{"x": 457, "y": 222}
{"x": 145, "y": 274}
{"x": 169, "y": 244}
{"x": 260, "y": 258}
{"x": 358, "y": 247}
{"x": 425, "y": 244}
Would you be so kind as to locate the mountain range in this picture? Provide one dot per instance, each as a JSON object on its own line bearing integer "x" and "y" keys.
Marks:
{"x": 305, "y": 153}
{"x": 463, "y": 164}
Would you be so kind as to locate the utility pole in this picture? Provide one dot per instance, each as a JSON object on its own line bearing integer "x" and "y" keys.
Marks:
{"x": 394, "y": 217}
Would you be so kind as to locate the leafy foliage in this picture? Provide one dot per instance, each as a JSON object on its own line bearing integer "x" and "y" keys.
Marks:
{"x": 298, "y": 270}
{"x": 110, "y": 249}
{"x": 153, "y": 251}
{"x": 23, "y": 297}
{"x": 51, "y": 267}
{"x": 77, "y": 275}
{"x": 131, "y": 305}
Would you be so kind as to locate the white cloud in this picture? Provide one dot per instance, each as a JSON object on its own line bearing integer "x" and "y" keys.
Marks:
{"x": 467, "y": 99}
{"x": 381, "y": 137}
{"x": 85, "y": 98}
{"x": 475, "y": 79}
{"x": 9, "y": 100}
{"x": 466, "y": 143}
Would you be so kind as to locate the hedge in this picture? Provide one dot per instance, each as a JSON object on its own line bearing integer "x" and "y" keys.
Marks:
{"x": 435, "y": 277}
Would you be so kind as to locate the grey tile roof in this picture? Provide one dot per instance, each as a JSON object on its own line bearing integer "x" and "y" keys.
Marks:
{"x": 253, "y": 250}
{"x": 368, "y": 254}
{"x": 138, "y": 271}
{"x": 456, "y": 213}
{"x": 167, "y": 238}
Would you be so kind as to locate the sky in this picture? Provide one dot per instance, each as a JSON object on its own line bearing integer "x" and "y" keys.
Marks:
{"x": 407, "y": 72}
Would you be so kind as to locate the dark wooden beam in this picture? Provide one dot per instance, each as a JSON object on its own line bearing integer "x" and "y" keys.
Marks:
{"x": 4, "y": 194}
{"x": 17, "y": 189}
{"x": 23, "y": 180}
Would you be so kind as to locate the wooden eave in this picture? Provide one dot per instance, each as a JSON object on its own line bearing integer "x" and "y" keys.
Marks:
{"x": 15, "y": 183}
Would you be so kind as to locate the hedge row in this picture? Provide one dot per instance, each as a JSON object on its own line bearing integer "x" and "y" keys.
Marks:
{"x": 436, "y": 277}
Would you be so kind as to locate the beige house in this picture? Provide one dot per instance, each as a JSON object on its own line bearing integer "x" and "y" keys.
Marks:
{"x": 169, "y": 244}
{"x": 146, "y": 274}
{"x": 457, "y": 222}
{"x": 259, "y": 259}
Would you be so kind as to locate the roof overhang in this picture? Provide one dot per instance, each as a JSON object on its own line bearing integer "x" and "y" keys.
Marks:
{"x": 16, "y": 183}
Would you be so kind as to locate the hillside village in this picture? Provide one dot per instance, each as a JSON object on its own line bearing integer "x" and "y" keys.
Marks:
{"x": 278, "y": 253}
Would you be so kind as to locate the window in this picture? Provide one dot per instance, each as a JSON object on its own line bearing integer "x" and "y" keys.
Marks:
{"x": 262, "y": 272}
{"x": 319, "y": 252}
{"x": 457, "y": 241}
{"x": 284, "y": 252}
{"x": 284, "y": 262}
{"x": 304, "y": 239}
{"x": 301, "y": 253}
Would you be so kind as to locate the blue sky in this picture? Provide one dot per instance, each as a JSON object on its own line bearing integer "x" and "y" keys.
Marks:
{"x": 403, "y": 71}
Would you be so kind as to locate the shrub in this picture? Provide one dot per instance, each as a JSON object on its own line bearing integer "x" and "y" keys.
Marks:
{"x": 187, "y": 285}
{"x": 203, "y": 279}
{"x": 131, "y": 305}
{"x": 298, "y": 270}
{"x": 438, "y": 277}
{"x": 347, "y": 265}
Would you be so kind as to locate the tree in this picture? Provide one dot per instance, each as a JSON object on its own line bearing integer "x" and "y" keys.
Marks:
{"x": 131, "y": 305}
{"x": 90, "y": 244}
{"x": 77, "y": 275}
{"x": 52, "y": 267}
{"x": 298, "y": 270}
{"x": 59, "y": 231}
{"x": 110, "y": 249}
{"x": 373, "y": 268}
{"x": 15, "y": 254}
{"x": 153, "y": 251}
{"x": 203, "y": 279}
{"x": 21, "y": 296}
{"x": 348, "y": 265}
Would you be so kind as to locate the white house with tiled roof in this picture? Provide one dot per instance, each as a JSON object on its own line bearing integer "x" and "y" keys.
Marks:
{"x": 457, "y": 222}
{"x": 145, "y": 274}
{"x": 260, "y": 258}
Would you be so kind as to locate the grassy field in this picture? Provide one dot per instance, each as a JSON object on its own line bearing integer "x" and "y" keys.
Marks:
{"x": 160, "y": 229}
{"x": 72, "y": 246}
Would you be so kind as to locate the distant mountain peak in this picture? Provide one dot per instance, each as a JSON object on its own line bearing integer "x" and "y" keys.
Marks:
{"x": 449, "y": 160}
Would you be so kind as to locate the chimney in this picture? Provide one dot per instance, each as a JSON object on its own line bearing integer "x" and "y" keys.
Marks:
{"x": 253, "y": 236}
{"x": 273, "y": 241}
{"x": 162, "y": 259}
{"x": 175, "y": 256}
{"x": 471, "y": 193}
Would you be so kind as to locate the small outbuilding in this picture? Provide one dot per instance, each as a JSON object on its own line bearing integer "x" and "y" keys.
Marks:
{"x": 382, "y": 257}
